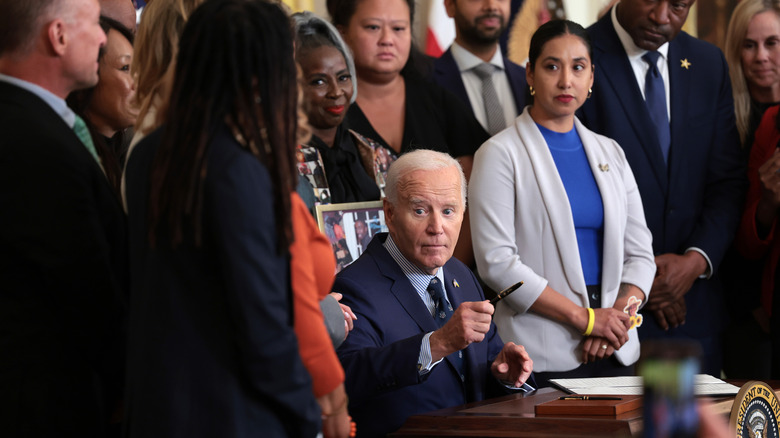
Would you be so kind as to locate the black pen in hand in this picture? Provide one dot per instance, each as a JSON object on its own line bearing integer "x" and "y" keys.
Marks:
{"x": 501, "y": 295}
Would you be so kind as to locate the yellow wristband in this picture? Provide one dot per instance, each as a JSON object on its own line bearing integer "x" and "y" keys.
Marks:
{"x": 591, "y": 322}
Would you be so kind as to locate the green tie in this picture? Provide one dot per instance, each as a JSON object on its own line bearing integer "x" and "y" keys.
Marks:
{"x": 82, "y": 132}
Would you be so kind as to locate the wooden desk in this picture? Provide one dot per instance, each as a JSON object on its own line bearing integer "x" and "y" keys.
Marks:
{"x": 513, "y": 416}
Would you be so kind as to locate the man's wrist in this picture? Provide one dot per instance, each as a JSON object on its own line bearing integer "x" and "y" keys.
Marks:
{"x": 426, "y": 360}
{"x": 438, "y": 346}
{"x": 703, "y": 264}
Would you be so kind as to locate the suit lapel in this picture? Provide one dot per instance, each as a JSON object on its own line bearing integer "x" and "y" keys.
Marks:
{"x": 55, "y": 123}
{"x": 679, "y": 95}
{"x": 402, "y": 288}
{"x": 409, "y": 299}
{"x": 449, "y": 75}
{"x": 615, "y": 68}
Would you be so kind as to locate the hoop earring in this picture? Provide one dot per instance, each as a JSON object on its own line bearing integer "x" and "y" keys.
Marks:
{"x": 590, "y": 92}
{"x": 531, "y": 90}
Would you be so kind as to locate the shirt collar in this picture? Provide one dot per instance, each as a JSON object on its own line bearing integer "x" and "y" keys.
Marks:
{"x": 55, "y": 102}
{"x": 419, "y": 278}
{"x": 632, "y": 50}
{"x": 467, "y": 60}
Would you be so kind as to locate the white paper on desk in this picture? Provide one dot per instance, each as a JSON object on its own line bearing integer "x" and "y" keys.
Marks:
{"x": 591, "y": 382}
{"x": 611, "y": 390}
{"x": 630, "y": 385}
{"x": 722, "y": 388}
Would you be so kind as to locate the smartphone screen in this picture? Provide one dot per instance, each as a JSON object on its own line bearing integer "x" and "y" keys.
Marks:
{"x": 669, "y": 369}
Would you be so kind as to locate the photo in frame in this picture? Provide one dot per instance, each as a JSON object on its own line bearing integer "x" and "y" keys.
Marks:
{"x": 309, "y": 164}
{"x": 350, "y": 227}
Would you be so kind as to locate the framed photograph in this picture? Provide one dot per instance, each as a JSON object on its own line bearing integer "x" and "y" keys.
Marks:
{"x": 350, "y": 227}
{"x": 309, "y": 164}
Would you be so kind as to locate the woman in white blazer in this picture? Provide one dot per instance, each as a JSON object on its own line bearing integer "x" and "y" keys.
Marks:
{"x": 556, "y": 206}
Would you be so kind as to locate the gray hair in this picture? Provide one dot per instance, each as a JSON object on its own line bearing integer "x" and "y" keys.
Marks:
{"x": 420, "y": 159}
{"x": 312, "y": 31}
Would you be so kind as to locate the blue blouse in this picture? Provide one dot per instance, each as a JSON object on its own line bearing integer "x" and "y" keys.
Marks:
{"x": 584, "y": 197}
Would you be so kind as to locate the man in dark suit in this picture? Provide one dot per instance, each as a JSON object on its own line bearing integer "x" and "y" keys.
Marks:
{"x": 478, "y": 27}
{"x": 416, "y": 346}
{"x": 62, "y": 231}
{"x": 666, "y": 98}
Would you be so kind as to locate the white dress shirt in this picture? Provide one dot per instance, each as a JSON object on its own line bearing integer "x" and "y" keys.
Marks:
{"x": 638, "y": 64}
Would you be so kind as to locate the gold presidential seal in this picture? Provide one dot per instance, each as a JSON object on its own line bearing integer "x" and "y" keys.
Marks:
{"x": 755, "y": 411}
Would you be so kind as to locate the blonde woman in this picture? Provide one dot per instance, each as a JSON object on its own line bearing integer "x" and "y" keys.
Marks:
{"x": 753, "y": 55}
{"x": 156, "y": 43}
{"x": 161, "y": 26}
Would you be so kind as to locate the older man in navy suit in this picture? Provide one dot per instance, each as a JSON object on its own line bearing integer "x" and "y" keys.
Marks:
{"x": 474, "y": 68}
{"x": 666, "y": 98}
{"x": 423, "y": 339}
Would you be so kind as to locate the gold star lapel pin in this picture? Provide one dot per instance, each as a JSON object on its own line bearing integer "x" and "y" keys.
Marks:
{"x": 684, "y": 63}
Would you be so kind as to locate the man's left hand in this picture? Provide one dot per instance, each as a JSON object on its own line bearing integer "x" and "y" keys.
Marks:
{"x": 513, "y": 365}
{"x": 674, "y": 277}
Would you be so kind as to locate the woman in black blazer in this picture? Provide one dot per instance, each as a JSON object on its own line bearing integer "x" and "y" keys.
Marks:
{"x": 211, "y": 346}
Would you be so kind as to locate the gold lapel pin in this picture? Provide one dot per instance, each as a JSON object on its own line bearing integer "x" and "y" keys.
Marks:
{"x": 604, "y": 167}
{"x": 684, "y": 63}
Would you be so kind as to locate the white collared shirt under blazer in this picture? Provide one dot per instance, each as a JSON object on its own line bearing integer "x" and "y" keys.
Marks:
{"x": 523, "y": 230}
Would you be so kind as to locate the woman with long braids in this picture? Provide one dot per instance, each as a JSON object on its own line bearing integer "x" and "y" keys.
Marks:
{"x": 211, "y": 349}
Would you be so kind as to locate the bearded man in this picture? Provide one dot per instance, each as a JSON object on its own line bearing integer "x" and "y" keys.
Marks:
{"x": 475, "y": 69}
